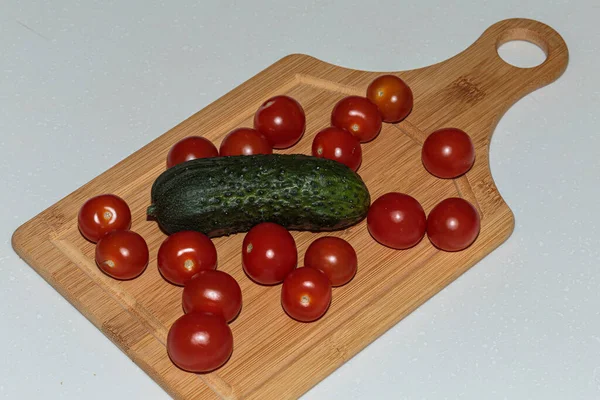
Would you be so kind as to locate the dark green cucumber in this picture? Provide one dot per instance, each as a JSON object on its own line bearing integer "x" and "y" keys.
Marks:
{"x": 224, "y": 195}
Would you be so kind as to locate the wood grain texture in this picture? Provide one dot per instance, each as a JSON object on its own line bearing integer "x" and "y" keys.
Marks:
{"x": 275, "y": 357}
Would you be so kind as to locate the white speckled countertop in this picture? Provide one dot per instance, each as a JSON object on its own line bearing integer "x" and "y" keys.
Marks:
{"x": 83, "y": 84}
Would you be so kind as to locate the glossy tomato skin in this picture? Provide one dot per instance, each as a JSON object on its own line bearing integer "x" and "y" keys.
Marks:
{"x": 282, "y": 120}
{"x": 333, "y": 256}
{"x": 122, "y": 254}
{"x": 453, "y": 224}
{"x": 102, "y": 214}
{"x": 269, "y": 253}
{"x": 214, "y": 292}
{"x": 448, "y": 153}
{"x": 183, "y": 254}
{"x": 199, "y": 342}
{"x": 397, "y": 220}
{"x": 245, "y": 142}
{"x": 339, "y": 145}
{"x": 359, "y": 116}
{"x": 306, "y": 294}
{"x": 191, "y": 148}
{"x": 392, "y": 96}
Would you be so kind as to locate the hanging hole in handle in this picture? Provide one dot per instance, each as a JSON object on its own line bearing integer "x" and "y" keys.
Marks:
{"x": 521, "y": 53}
{"x": 522, "y": 48}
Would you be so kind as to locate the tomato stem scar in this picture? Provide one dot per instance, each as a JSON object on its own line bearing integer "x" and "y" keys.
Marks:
{"x": 188, "y": 264}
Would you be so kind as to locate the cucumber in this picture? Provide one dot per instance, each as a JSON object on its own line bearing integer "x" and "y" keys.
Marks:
{"x": 225, "y": 195}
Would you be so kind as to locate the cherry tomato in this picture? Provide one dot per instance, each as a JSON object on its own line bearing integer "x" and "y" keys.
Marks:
{"x": 245, "y": 142}
{"x": 359, "y": 116}
{"x": 306, "y": 294}
{"x": 448, "y": 153}
{"x": 190, "y": 148}
{"x": 199, "y": 342}
{"x": 102, "y": 214}
{"x": 183, "y": 254}
{"x": 396, "y": 220}
{"x": 392, "y": 96}
{"x": 214, "y": 292}
{"x": 281, "y": 119}
{"x": 453, "y": 224}
{"x": 122, "y": 254}
{"x": 339, "y": 145}
{"x": 333, "y": 256}
{"x": 269, "y": 253}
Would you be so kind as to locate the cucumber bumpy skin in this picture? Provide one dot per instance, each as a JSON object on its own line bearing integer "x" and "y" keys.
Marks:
{"x": 224, "y": 195}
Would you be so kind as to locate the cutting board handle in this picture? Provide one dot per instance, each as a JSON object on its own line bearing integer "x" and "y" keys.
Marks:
{"x": 473, "y": 89}
{"x": 542, "y": 35}
{"x": 515, "y": 82}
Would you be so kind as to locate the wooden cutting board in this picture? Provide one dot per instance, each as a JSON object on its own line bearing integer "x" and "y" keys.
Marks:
{"x": 274, "y": 356}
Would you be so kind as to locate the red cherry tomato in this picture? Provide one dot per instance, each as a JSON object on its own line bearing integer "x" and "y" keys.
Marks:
{"x": 199, "y": 342}
{"x": 269, "y": 253}
{"x": 448, "y": 153}
{"x": 359, "y": 116}
{"x": 245, "y": 142}
{"x": 306, "y": 294}
{"x": 214, "y": 292}
{"x": 122, "y": 254}
{"x": 396, "y": 220}
{"x": 339, "y": 145}
{"x": 190, "y": 148}
{"x": 333, "y": 256}
{"x": 281, "y": 119}
{"x": 102, "y": 214}
{"x": 183, "y": 254}
{"x": 453, "y": 224}
{"x": 392, "y": 96}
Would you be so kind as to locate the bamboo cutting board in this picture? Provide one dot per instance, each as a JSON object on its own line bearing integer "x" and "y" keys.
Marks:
{"x": 275, "y": 357}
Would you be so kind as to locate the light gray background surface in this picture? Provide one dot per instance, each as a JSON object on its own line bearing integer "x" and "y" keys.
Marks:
{"x": 83, "y": 84}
